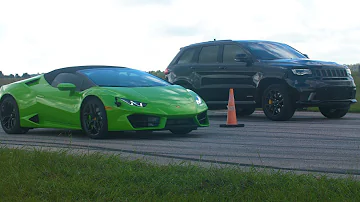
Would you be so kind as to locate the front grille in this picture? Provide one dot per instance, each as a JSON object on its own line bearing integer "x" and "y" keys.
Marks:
{"x": 334, "y": 93}
{"x": 187, "y": 122}
{"x": 202, "y": 117}
{"x": 143, "y": 121}
{"x": 330, "y": 73}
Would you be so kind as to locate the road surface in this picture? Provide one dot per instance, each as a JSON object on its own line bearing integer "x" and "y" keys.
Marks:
{"x": 308, "y": 142}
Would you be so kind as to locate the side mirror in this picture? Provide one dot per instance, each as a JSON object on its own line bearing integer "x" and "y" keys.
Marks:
{"x": 66, "y": 86}
{"x": 306, "y": 55}
{"x": 241, "y": 58}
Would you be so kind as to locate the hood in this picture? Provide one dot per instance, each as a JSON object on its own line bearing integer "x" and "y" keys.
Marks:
{"x": 161, "y": 94}
{"x": 300, "y": 62}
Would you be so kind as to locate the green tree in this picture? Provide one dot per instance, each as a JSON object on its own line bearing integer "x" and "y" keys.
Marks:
{"x": 158, "y": 73}
{"x": 25, "y": 75}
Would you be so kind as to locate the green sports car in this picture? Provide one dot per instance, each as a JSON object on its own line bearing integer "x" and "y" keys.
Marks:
{"x": 99, "y": 99}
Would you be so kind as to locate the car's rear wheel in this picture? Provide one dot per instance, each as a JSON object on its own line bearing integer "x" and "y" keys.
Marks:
{"x": 93, "y": 119}
{"x": 333, "y": 113}
{"x": 181, "y": 131}
{"x": 245, "y": 111}
{"x": 277, "y": 104}
{"x": 10, "y": 118}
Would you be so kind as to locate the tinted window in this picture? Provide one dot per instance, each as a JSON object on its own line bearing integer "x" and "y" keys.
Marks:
{"x": 230, "y": 51}
{"x": 187, "y": 56}
{"x": 272, "y": 51}
{"x": 122, "y": 77}
{"x": 208, "y": 54}
{"x": 68, "y": 78}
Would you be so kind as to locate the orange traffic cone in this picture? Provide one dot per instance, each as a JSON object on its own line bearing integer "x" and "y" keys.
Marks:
{"x": 231, "y": 114}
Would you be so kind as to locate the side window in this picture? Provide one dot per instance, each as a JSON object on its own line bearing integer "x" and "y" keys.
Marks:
{"x": 68, "y": 78}
{"x": 187, "y": 56}
{"x": 230, "y": 51}
{"x": 209, "y": 54}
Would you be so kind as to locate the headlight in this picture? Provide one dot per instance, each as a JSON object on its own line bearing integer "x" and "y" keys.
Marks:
{"x": 134, "y": 103}
{"x": 348, "y": 71}
{"x": 197, "y": 98}
{"x": 301, "y": 72}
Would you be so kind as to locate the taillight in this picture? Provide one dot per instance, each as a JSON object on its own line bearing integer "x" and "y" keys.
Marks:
{"x": 166, "y": 72}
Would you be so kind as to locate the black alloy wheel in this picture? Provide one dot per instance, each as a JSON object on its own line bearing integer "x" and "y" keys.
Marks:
{"x": 277, "y": 104}
{"x": 9, "y": 115}
{"x": 94, "y": 119}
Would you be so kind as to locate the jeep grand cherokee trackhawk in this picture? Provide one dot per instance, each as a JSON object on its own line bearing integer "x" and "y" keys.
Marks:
{"x": 264, "y": 74}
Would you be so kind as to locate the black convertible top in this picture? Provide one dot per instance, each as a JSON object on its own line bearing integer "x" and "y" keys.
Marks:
{"x": 50, "y": 76}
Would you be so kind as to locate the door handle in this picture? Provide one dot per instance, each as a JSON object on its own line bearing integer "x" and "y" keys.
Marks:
{"x": 192, "y": 67}
{"x": 222, "y": 67}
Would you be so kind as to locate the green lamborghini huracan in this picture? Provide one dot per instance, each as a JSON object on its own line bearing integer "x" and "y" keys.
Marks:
{"x": 99, "y": 99}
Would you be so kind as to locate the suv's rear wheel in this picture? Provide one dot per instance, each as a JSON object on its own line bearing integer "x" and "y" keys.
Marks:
{"x": 333, "y": 113}
{"x": 277, "y": 103}
{"x": 245, "y": 111}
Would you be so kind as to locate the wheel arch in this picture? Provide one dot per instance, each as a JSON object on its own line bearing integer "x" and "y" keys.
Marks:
{"x": 5, "y": 96}
{"x": 265, "y": 83}
{"x": 184, "y": 83}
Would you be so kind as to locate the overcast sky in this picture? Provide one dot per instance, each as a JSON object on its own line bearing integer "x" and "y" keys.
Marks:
{"x": 41, "y": 35}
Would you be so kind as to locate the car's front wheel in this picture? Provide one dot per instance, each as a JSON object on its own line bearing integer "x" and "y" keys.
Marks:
{"x": 93, "y": 119}
{"x": 181, "y": 131}
{"x": 277, "y": 104}
{"x": 9, "y": 115}
{"x": 334, "y": 113}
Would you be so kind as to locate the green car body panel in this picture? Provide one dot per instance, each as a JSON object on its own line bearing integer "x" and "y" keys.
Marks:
{"x": 61, "y": 107}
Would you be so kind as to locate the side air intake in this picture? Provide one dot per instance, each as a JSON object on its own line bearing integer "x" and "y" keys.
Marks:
{"x": 35, "y": 119}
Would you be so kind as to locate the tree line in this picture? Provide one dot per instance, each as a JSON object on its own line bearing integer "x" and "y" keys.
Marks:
{"x": 158, "y": 73}
{"x": 17, "y": 76}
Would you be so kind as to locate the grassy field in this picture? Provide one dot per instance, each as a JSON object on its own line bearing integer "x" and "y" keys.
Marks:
{"x": 356, "y": 107}
{"x": 45, "y": 176}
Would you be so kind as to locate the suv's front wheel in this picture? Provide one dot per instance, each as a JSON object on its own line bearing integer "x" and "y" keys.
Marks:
{"x": 333, "y": 113}
{"x": 277, "y": 103}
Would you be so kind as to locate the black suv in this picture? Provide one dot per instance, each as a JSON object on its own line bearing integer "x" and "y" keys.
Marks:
{"x": 264, "y": 74}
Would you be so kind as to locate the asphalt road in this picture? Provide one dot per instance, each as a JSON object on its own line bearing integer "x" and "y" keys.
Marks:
{"x": 308, "y": 142}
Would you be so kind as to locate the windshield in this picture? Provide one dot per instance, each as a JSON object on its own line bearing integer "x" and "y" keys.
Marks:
{"x": 122, "y": 77}
{"x": 272, "y": 51}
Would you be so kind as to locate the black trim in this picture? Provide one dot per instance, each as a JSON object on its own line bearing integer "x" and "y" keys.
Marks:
{"x": 35, "y": 118}
{"x": 50, "y": 76}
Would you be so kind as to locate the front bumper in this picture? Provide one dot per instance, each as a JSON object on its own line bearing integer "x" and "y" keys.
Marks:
{"x": 312, "y": 92}
{"x": 120, "y": 119}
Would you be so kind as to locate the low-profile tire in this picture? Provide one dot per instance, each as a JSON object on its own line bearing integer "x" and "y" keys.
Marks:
{"x": 181, "y": 131}
{"x": 93, "y": 119}
{"x": 277, "y": 104}
{"x": 333, "y": 113}
{"x": 144, "y": 132}
{"x": 10, "y": 118}
{"x": 245, "y": 111}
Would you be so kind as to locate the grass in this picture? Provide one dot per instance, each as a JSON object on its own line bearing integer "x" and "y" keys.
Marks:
{"x": 356, "y": 107}
{"x": 58, "y": 176}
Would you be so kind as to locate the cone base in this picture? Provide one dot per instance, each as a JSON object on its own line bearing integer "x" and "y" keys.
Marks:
{"x": 231, "y": 126}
